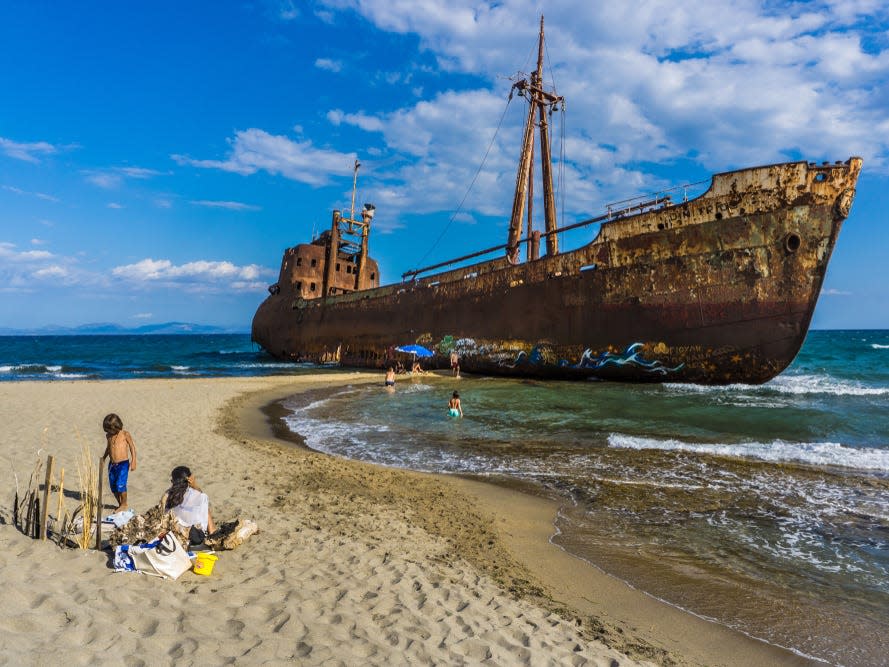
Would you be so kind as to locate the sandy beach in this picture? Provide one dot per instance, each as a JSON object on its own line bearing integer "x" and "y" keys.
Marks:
{"x": 354, "y": 564}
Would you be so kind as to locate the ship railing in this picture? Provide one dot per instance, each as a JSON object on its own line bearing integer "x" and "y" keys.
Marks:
{"x": 413, "y": 273}
{"x": 633, "y": 205}
{"x": 647, "y": 202}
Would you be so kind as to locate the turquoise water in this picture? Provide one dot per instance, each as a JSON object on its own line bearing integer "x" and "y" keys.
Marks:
{"x": 766, "y": 507}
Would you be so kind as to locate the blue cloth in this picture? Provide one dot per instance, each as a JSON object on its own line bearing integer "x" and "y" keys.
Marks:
{"x": 453, "y": 412}
{"x": 117, "y": 476}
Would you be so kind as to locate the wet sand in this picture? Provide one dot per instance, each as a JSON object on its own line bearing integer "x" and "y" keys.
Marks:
{"x": 354, "y": 564}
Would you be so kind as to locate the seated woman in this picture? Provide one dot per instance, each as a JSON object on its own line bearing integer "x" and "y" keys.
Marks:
{"x": 185, "y": 510}
{"x": 187, "y": 502}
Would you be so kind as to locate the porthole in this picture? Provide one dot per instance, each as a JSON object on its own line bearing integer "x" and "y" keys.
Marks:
{"x": 792, "y": 242}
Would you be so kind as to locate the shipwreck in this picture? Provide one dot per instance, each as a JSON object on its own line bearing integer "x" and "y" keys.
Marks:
{"x": 719, "y": 288}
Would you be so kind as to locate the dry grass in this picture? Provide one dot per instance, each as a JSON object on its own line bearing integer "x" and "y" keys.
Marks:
{"x": 89, "y": 485}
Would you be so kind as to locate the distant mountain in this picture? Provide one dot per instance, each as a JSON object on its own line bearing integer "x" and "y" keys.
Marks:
{"x": 111, "y": 329}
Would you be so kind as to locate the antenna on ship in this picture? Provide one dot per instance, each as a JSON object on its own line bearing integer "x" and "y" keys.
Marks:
{"x": 540, "y": 101}
{"x": 354, "y": 187}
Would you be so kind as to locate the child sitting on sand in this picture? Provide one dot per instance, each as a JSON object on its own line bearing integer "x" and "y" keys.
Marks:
{"x": 120, "y": 450}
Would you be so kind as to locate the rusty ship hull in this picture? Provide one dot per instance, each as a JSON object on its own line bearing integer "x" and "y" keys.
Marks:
{"x": 719, "y": 289}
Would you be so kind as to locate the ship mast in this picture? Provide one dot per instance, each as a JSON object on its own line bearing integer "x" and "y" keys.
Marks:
{"x": 540, "y": 103}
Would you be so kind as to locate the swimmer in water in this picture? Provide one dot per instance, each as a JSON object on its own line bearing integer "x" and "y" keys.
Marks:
{"x": 454, "y": 407}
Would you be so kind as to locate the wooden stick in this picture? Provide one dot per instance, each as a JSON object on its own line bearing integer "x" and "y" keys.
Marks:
{"x": 29, "y": 515}
{"x": 26, "y": 511}
{"x": 15, "y": 510}
{"x": 99, "y": 511}
{"x": 50, "y": 462}
{"x": 36, "y": 533}
{"x": 61, "y": 497}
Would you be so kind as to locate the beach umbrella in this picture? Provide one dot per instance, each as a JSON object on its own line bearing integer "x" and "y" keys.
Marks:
{"x": 417, "y": 350}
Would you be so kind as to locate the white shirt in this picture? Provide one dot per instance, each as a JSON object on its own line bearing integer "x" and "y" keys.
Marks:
{"x": 194, "y": 509}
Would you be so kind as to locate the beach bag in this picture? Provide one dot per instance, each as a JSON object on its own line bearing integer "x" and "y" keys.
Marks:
{"x": 165, "y": 556}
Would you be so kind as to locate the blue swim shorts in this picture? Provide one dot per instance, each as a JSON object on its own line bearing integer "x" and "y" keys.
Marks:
{"x": 117, "y": 476}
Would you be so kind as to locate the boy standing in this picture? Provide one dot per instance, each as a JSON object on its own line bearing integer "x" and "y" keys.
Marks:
{"x": 121, "y": 454}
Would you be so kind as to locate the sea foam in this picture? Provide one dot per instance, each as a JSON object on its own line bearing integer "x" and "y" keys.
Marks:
{"x": 797, "y": 385}
{"x": 777, "y": 451}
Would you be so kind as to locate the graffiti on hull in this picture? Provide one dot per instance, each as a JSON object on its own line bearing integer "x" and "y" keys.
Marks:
{"x": 505, "y": 356}
{"x": 630, "y": 358}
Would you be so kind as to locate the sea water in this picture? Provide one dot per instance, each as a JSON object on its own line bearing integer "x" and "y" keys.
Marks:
{"x": 114, "y": 357}
{"x": 765, "y": 508}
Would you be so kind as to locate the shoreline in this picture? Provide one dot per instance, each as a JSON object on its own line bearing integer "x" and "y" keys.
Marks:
{"x": 625, "y": 618}
{"x": 353, "y": 562}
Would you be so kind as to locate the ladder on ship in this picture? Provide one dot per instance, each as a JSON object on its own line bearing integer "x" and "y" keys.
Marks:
{"x": 348, "y": 242}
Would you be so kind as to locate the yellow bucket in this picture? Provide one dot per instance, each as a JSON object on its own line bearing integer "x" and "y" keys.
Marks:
{"x": 203, "y": 563}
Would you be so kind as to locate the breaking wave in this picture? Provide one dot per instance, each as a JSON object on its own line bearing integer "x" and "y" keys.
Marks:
{"x": 777, "y": 451}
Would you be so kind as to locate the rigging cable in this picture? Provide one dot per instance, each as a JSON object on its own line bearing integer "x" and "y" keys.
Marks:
{"x": 474, "y": 178}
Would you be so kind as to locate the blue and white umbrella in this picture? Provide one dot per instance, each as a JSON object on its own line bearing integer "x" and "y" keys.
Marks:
{"x": 417, "y": 350}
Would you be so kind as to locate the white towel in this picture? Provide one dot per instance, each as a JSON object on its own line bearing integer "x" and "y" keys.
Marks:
{"x": 119, "y": 519}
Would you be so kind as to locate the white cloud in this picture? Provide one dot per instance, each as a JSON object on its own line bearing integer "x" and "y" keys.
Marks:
{"x": 365, "y": 122}
{"x": 256, "y": 150}
{"x": 230, "y": 205}
{"x": 201, "y": 275}
{"x": 24, "y": 270}
{"x": 115, "y": 205}
{"x": 29, "y": 152}
{"x": 105, "y": 180}
{"x": 835, "y": 292}
{"x": 53, "y": 271}
{"x": 143, "y": 316}
{"x": 39, "y": 195}
{"x": 287, "y": 11}
{"x": 8, "y": 253}
{"x": 138, "y": 172}
{"x": 113, "y": 177}
{"x": 329, "y": 65}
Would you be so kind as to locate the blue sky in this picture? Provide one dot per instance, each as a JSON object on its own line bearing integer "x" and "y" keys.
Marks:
{"x": 156, "y": 160}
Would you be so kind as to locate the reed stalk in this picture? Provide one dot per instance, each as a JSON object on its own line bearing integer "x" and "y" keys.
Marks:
{"x": 88, "y": 488}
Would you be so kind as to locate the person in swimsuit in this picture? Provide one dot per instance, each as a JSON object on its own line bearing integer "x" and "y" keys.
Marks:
{"x": 120, "y": 450}
{"x": 454, "y": 407}
{"x": 390, "y": 377}
{"x": 455, "y": 363}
